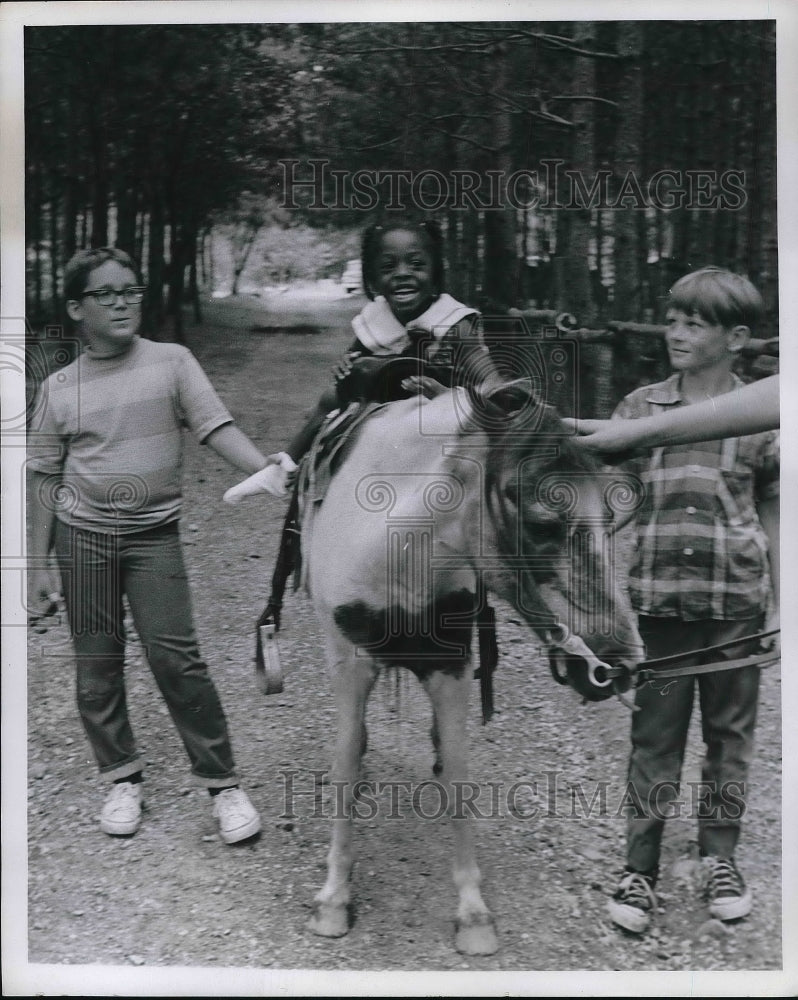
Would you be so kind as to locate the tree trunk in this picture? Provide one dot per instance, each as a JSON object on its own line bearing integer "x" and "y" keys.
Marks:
{"x": 35, "y": 237}
{"x": 72, "y": 194}
{"x": 54, "y": 249}
{"x": 583, "y": 162}
{"x": 501, "y": 258}
{"x": 763, "y": 243}
{"x": 629, "y": 253}
{"x": 211, "y": 284}
{"x": 176, "y": 273}
{"x": 99, "y": 211}
{"x": 140, "y": 244}
{"x": 195, "y": 243}
{"x": 596, "y": 367}
{"x": 155, "y": 264}
{"x": 125, "y": 217}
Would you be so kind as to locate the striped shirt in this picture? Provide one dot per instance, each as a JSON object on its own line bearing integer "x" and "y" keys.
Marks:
{"x": 700, "y": 551}
{"x": 112, "y": 430}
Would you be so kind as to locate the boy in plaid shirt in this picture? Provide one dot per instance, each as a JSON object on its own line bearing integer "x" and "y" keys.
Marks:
{"x": 704, "y": 571}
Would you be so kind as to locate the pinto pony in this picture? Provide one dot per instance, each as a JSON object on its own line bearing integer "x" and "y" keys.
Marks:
{"x": 435, "y": 504}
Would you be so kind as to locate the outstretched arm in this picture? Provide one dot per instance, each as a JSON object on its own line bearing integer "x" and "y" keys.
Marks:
{"x": 267, "y": 473}
{"x": 236, "y": 448}
{"x": 753, "y": 408}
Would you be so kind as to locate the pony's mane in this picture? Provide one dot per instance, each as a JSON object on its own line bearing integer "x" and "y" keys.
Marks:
{"x": 508, "y": 448}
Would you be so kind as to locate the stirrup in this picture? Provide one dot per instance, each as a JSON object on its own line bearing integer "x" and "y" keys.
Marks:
{"x": 268, "y": 668}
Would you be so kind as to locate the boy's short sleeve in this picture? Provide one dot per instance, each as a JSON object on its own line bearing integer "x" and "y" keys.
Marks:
{"x": 199, "y": 404}
{"x": 46, "y": 442}
{"x": 626, "y": 410}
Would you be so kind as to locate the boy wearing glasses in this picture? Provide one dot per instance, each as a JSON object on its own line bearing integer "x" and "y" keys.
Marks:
{"x": 105, "y": 493}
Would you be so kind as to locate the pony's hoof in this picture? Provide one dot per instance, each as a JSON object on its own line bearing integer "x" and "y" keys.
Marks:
{"x": 328, "y": 920}
{"x": 477, "y": 936}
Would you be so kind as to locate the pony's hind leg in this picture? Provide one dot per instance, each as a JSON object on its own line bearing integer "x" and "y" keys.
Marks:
{"x": 434, "y": 735}
{"x": 353, "y": 678}
{"x": 475, "y": 932}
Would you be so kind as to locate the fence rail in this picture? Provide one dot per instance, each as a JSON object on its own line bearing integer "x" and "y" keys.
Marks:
{"x": 585, "y": 371}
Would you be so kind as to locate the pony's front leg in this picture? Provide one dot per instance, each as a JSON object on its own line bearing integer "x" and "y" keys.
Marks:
{"x": 475, "y": 932}
{"x": 353, "y": 677}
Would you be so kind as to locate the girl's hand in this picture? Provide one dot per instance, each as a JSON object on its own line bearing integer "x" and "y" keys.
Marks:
{"x": 344, "y": 366}
{"x": 423, "y": 384}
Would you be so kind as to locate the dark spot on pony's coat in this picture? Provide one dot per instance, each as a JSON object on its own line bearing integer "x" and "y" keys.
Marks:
{"x": 437, "y": 638}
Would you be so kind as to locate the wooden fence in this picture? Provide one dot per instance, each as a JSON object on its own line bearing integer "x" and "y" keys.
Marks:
{"x": 586, "y": 372}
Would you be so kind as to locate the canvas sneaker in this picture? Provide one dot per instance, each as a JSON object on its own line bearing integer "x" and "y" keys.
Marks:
{"x": 235, "y": 814}
{"x": 633, "y": 902}
{"x": 725, "y": 890}
{"x": 121, "y": 813}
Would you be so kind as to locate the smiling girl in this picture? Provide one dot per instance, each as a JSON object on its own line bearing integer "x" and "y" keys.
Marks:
{"x": 408, "y": 315}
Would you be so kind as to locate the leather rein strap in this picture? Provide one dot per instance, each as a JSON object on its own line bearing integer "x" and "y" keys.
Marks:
{"x": 660, "y": 668}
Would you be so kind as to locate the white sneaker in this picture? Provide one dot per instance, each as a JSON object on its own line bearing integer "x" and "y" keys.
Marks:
{"x": 121, "y": 813}
{"x": 237, "y": 817}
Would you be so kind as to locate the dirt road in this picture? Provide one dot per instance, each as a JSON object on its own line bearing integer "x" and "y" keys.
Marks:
{"x": 551, "y": 842}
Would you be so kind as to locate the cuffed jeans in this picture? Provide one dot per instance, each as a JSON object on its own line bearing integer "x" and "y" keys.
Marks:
{"x": 728, "y": 701}
{"x": 97, "y": 569}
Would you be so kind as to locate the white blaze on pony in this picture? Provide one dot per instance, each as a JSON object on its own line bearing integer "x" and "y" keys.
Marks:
{"x": 429, "y": 503}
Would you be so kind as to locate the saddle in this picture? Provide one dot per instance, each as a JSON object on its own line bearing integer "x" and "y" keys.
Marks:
{"x": 379, "y": 379}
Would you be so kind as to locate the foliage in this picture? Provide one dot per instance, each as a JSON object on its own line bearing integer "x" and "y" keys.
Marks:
{"x": 149, "y": 135}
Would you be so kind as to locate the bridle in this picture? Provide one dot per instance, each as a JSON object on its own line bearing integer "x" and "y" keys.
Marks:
{"x": 573, "y": 663}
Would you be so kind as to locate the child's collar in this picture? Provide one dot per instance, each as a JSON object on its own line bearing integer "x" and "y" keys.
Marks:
{"x": 670, "y": 391}
{"x": 95, "y": 355}
{"x": 380, "y": 331}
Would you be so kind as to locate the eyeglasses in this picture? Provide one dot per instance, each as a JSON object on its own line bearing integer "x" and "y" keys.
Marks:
{"x": 132, "y": 295}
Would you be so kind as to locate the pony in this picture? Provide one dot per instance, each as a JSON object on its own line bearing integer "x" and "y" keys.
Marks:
{"x": 436, "y": 503}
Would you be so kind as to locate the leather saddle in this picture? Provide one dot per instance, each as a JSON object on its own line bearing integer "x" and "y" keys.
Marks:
{"x": 379, "y": 380}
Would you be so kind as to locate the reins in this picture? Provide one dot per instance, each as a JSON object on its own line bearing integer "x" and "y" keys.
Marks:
{"x": 573, "y": 663}
{"x": 649, "y": 669}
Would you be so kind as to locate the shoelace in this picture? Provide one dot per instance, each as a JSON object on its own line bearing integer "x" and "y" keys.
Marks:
{"x": 636, "y": 890}
{"x": 723, "y": 878}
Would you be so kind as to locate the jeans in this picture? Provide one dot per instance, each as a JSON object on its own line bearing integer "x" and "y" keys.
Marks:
{"x": 97, "y": 569}
{"x": 728, "y": 701}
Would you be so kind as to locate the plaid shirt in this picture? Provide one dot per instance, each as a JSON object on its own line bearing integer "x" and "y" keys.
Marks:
{"x": 701, "y": 551}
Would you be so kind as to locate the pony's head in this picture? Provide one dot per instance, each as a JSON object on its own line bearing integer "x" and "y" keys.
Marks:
{"x": 556, "y": 511}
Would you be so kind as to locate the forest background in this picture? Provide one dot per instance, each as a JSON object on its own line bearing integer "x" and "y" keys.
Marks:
{"x": 574, "y": 166}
